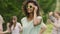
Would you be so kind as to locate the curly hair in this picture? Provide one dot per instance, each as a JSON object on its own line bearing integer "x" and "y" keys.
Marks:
{"x": 25, "y": 9}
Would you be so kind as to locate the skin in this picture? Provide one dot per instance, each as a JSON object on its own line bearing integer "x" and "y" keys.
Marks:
{"x": 30, "y": 10}
{"x": 1, "y": 22}
{"x": 31, "y": 16}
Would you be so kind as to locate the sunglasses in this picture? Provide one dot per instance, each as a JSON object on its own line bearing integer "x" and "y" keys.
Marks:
{"x": 30, "y": 6}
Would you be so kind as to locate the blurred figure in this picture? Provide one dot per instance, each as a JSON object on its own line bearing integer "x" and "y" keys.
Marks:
{"x": 13, "y": 26}
{"x": 55, "y": 18}
{"x": 1, "y": 22}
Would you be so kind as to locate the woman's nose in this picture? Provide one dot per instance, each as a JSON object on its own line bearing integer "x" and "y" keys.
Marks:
{"x": 28, "y": 7}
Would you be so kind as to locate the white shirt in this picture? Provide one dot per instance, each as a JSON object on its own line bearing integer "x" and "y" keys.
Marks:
{"x": 16, "y": 30}
{"x": 28, "y": 26}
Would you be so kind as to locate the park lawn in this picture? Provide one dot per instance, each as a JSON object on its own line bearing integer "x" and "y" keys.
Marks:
{"x": 49, "y": 29}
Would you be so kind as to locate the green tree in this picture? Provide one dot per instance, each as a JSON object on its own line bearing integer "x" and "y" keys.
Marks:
{"x": 47, "y": 6}
{"x": 8, "y": 8}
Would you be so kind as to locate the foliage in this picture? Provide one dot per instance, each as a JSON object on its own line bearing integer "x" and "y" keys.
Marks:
{"x": 8, "y": 8}
{"x": 47, "y": 6}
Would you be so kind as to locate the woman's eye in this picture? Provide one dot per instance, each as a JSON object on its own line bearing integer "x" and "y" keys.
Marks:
{"x": 30, "y": 6}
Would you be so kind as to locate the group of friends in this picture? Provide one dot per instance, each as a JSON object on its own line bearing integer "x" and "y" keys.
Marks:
{"x": 32, "y": 23}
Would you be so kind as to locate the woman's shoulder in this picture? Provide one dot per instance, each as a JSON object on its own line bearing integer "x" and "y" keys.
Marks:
{"x": 39, "y": 17}
{"x": 18, "y": 24}
{"x": 24, "y": 18}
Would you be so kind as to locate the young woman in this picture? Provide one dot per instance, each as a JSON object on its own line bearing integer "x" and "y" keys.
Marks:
{"x": 13, "y": 26}
{"x": 1, "y": 22}
{"x": 32, "y": 23}
{"x": 55, "y": 18}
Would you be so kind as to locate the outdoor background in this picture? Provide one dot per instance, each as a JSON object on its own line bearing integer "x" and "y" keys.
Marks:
{"x": 8, "y": 8}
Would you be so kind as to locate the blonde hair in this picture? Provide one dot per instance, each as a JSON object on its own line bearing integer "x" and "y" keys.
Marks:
{"x": 1, "y": 19}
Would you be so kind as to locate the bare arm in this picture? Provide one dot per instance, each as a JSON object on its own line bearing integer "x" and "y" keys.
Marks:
{"x": 8, "y": 30}
{"x": 36, "y": 20}
{"x": 43, "y": 28}
{"x": 20, "y": 27}
{"x": 5, "y": 32}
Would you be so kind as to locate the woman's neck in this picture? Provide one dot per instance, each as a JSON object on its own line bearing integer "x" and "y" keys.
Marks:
{"x": 30, "y": 17}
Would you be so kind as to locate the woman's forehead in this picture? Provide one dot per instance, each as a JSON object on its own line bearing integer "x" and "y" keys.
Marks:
{"x": 30, "y": 4}
{"x": 15, "y": 18}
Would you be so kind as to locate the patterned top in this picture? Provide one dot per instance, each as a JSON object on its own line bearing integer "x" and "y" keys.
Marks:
{"x": 56, "y": 21}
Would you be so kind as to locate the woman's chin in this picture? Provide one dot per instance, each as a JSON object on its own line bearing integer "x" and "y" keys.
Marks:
{"x": 29, "y": 12}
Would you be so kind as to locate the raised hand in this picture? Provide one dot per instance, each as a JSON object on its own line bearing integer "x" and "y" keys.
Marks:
{"x": 35, "y": 9}
{"x": 51, "y": 13}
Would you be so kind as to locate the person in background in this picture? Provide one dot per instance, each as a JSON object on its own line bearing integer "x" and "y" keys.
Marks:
{"x": 1, "y": 22}
{"x": 13, "y": 26}
{"x": 32, "y": 22}
{"x": 55, "y": 18}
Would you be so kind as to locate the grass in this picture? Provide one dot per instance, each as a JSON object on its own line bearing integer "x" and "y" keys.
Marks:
{"x": 49, "y": 29}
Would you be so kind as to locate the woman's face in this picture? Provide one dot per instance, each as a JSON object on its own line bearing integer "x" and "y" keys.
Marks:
{"x": 30, "y": 7}
{"x": 14, "y": 20}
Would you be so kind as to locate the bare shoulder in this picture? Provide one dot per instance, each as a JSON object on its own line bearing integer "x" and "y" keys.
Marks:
{"x": 19, "y": 24}
{"x": 23, "y": 18}
{"x": 39, "y": 17}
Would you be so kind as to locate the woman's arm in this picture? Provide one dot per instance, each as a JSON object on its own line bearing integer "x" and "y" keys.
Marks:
{"x": 36, "y": 20}
{"x": 43, "y": 28}
{"x": 4, "y": 32}
{"x": 7, "y": 31}
{"x": 20, "y": 27}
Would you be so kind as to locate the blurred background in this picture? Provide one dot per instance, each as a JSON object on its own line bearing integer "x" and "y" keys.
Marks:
{"x": 9, "y": 8}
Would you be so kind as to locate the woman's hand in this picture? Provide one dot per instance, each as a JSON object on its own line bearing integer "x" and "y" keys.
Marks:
{"x": 51, "y": 13}
{"x": 37, "y": 20}
{"x": 35, "y": 9}
{"x": 43, "y": 28}
{"x": 35, "y": 16}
